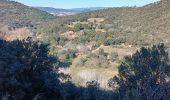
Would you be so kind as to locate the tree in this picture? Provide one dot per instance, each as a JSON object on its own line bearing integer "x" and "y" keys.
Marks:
{"x": 78, "y": 27}
{"x": 26, "y": 71}
{"x": 144, "y": 75}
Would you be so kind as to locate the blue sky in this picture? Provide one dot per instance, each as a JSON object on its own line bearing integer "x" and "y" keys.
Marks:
{"x": 85, "y": 3}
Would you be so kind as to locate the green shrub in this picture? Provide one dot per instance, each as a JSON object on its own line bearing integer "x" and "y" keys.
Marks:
{"x": 144, "y": 75}
{"x": 27, "y": 70}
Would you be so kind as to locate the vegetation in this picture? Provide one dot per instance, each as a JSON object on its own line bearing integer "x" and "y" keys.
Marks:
{"x": 29, "y": 69}
{"x": 142, "y": 26}
{"x": 29, "y": 72}
{"x": 144, "y": 75}
{"x": 95, "y": 60}
{"x": 15, "y": 16}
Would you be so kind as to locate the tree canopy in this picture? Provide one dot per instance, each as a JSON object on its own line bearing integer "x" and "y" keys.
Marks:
{"x": 144, "y": 75}
{"x": 26, "y": 70}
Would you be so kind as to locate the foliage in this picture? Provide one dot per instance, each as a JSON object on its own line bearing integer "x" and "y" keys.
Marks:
{"x": 79, "y": 27}
{"x": 70, "y": 55}
{"x": 27, "y": 70}
{"x": 132, "y": 25}
{"x": 94, "y": 60}
{"x": 144, "y": 75}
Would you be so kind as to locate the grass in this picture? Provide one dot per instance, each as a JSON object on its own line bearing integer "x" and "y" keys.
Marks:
{"x": 81, "y": 75}
{"x": 112, "y": 71}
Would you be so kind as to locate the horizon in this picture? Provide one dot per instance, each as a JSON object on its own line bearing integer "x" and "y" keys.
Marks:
{"x": 85, "y": 4}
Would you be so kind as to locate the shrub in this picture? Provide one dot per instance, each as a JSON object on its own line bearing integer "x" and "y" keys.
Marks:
{"x": 71, "y": 54}
{"x": 143, "y": 76}
{"x": 26, "y": 70}
{"x": 78, "y": 27}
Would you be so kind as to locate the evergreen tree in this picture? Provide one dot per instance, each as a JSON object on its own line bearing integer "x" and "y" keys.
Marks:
{"x": 144, "y": 75}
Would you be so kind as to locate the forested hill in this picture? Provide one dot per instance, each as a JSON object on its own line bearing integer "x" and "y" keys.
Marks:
{"x": 87, "y": 56}
{"x": 149, "y": 21}
{"x": 152, "y": 18}
{"x": 147, "y": 25}
{"x": 16, "y": 18}
{"x": 10, "y": 10}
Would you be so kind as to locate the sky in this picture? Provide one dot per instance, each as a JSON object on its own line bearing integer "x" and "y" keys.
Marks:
{"x": 68, "y": 4}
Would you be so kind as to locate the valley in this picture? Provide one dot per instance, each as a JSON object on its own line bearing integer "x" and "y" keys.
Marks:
{"x": 91, "y": 46}
{"x": 78, "y": 39}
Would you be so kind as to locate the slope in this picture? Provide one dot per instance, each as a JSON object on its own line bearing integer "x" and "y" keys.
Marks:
{"x": 134, "y": 25}
{"x": 14, "y": 16}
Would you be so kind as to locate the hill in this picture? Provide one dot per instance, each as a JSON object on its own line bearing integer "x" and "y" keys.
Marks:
{"x": 56, "y": 11}
{"x": 136, "y": 25}
{"x": 130, "y": 24}
{"x": 15, "y": 17}
{"x": 64, "y": 12}
{"x": 89, "y": 43}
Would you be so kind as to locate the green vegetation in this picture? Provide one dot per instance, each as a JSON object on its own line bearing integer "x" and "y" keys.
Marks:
{"x": 79, "y": 27}
{"x": 14, "y": 16}
{"x": 141, "y": 26}
{"x": 29, "y": 72}
{"x": 29, "y": 69}
{"x": 144, "y": 75}
{"x": 96, "y": 60}
{"x": 70, "y": 55}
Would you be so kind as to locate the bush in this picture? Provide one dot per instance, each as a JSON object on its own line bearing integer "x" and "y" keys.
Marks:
{"x": 98, "y": 59}
{"x": 78, "y": 27}
{"x": 143, "y": 76}
{"x": 26, "y": 70}
{"x": 71, "y": 54}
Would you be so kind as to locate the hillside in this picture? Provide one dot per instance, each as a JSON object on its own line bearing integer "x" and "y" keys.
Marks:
{"x": 90, "y": 42}
{"x": 136, "y": 25}
{"x": 126, "y": 22}
{"x": 56, "y": 12}
{"x": 15, "y": 16}
{"x": 94, "y": 41}
{"x": 98, "y": 55}
{"x": 11, "y": 10}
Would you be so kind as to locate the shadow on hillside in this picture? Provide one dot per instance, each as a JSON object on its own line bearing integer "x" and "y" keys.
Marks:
{"x": 28, "y": 72}
{"x": 91, "y": 92}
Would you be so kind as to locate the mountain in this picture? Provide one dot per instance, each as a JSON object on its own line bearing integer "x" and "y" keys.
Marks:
{"x": 88, "y": 9}
{"x": 63, "y": 12}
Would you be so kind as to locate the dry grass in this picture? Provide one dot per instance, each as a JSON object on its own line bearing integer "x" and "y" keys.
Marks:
{"x": 96, "y": 20}
{"x": 21, "y": 33}
{"x": 125, "y": 51}
{"x": 74, "y": 23}
{"x": 70, "y": 34}
{"x": 80, "y": 75}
